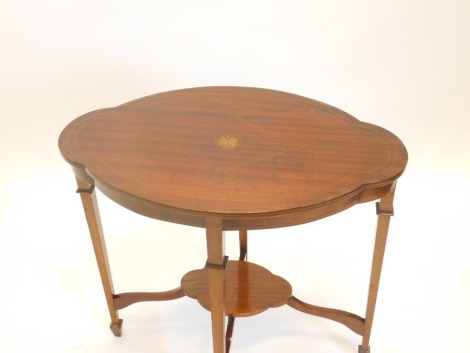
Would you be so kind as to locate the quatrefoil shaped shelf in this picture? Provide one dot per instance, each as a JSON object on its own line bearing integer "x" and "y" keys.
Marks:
{"x": 249, "y": 288}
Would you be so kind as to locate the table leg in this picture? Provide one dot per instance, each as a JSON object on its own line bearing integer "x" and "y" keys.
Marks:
{"x": 216, "y": 265}
{"x": 384, "y": 212}
{"x": 243, "y": 240}
{"x": 92, "y": 214}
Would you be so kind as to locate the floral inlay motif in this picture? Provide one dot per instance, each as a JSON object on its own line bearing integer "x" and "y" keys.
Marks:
{"x": 227, "y": 142}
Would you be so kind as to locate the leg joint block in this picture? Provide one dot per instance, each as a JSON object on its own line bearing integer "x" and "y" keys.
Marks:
{"x": 216, "y": 266}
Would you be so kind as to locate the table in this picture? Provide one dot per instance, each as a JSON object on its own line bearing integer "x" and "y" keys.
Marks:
{"x": 233, "y": 158}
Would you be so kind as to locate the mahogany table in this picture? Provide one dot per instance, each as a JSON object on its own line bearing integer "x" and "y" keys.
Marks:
{"x": 233, "y": 158}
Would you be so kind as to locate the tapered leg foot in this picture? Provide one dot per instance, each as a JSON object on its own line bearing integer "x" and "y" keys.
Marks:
{"x": 116, "y": 328}
{"x": 364, "y": 349}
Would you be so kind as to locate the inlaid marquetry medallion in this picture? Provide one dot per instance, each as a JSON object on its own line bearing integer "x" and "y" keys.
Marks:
{"x": 227, "y": 142}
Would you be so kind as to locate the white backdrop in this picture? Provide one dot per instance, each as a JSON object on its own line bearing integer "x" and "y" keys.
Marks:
{"x": 403, "y": 65}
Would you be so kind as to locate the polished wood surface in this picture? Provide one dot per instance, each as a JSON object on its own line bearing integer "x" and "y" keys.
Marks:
{"x": 384, "y": 212}
{"x": 233, "y": 158}
{"x": 256, "y": 158}
{"x": 249, "y": 289}
{"x": 92, "y": 214}
{"x": 123, "y": 300}
{"x": 352, "y": 321}
{"x": 216, "y": 261}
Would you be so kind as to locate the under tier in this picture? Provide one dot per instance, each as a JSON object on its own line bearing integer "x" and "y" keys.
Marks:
{"x": 249, "y": 288}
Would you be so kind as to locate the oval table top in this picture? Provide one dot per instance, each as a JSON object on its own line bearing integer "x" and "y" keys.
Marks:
{"x": 267, "y": 157}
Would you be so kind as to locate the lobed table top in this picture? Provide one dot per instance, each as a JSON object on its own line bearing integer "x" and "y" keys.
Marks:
{"x": 267, "y": 157}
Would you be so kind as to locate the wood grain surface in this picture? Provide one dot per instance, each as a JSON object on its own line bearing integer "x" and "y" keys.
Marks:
{"x": 256, "y": 158}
